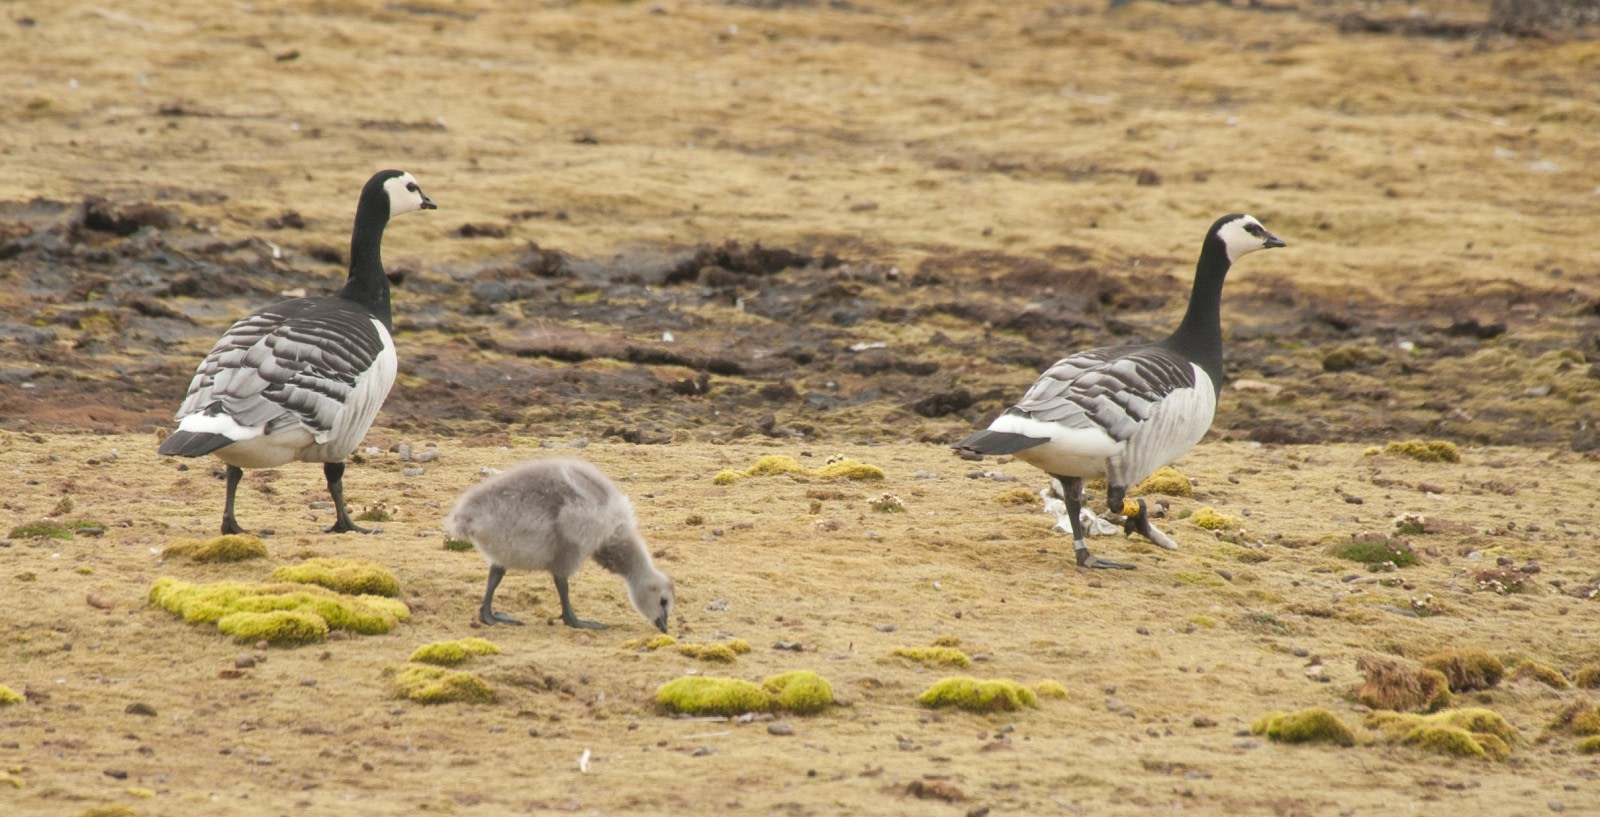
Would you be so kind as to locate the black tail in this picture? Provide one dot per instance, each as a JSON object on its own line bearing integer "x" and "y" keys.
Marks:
{"x": 998, "y": 442}
{"x": 190, "y": 444}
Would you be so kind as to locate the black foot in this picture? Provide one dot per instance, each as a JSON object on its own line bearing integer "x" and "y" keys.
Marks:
{"x": 574, "y": 621}
{"x": 491, "y": 618}
{"x": 1093, "y": 562}
{"x": 347, "y": 527}
{"x": 231, "y": 528}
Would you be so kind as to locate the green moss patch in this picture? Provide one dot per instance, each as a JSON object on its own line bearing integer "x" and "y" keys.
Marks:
{"x": 1547, "y": 675}
{"x": 211, "y": 603}
{"x": 1588, "y": 677}
{"x": 451, "y": 653}
{"x": 457, "y": 545}
{"x": 230, "y": 548}
{"x": 1212, "y": 519}
{"x": 428, "y": 684}
{"x": 779, "y": 465}
{"x": 932, "y": 656}
{"x": 1314, "y": 725}
{"x": 1466, "y": 668}
{"x": 1430, "y": 451}
{"x": 41, "y": 529}
{"x": 802, "y": 692}
{"x": 357, "y": 577}
{"x": 108, "y": 811}
{"x": 649, "y": 643}
{"x": 275, "y": 627}
{"x": 974, "y": 695}
{"x": 1050, "y": 689}
{"x": 1589, "y": 746}
{"x": 9, "y": 696}
{"x": 1166, "y": 481}
{"x": 1372, "y": 549}
{"x": 1471, "y": 732}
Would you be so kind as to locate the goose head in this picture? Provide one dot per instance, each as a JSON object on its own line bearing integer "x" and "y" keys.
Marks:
{"x": 1242, "y": 234}
{"x": 403, "y": 192}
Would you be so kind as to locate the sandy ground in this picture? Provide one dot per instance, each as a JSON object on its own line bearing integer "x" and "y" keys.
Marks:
{"x": 1439, "y": 197}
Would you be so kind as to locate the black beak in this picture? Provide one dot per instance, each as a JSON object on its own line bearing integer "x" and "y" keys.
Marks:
{"x": 1269, "y": 240}
{"x": 427, "y": 204}
{"x": 661, "y": 623}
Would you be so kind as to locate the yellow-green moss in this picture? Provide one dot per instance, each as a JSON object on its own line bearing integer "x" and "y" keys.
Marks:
{"x": 649, "y": 642}
{"x": 276, "y": 627}
{"x": 1467, "y": 668}
{"x": 108, "y": 811}
{"x": 1203, "y": 621}
{"x": 930, "y": 656}
{"x": 1050, "y": 689}
{"x": 230, "y": 548}
{"x": 1165, "y": 481}
{"x": 1017, "y": 496}
{"x": 851, "y": 470}
{"x": 9, "y": 696}
{"x": 1210, "y": 519}
{"x": 41, "y": 529}
{"x": 1445, "y": 740}
{"x": 774, "y": 465}
{"x": 699, "y": 695}
{"x": 1549, "y": 676}
{"x": 1589, "y": 746}
{"x": 1430, "y": 451}
{"x": 1436, "y": 690}
{"x": 210, "y": 603}
{"x": 427, "y": 684}
{"x": 708, "y": 652}
{"x": 802, "y": 692}
{"x": 727, "y": 476}
{"x": 1586, "y": 722}
{"x": 1588, "y": 677}
{"x": 451, "y": 653}
{"x": 1306, "y": 726}
{"x": 457, "y": 545}
{"x": 973, "y": 695}
{"x": 352, "y": 576}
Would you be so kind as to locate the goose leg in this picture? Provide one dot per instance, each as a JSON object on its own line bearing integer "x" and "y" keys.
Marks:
{"x": 486, "y": 613}
{"x": 334, "y": 471}
{"x": 568, "y": 617}
{"x": 229, "y": 524}
{"x": 1071, "y": 490}
{"x": 1137, "y": 517}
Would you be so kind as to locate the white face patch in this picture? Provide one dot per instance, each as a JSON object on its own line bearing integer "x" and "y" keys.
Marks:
{"x": 1245, "y": 235}
{"x": 405, "y": 195}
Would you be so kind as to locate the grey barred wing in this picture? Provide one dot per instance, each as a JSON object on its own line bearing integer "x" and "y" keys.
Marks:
{"x": 1114, "y": 389}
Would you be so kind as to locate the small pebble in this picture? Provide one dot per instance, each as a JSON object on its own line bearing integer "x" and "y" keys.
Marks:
{"x": 426, "y": 456}
{"x": 1114, "y": 705}
{"x": 244, "y": 661}
{"x": 117, "y": 774}
{"x": 1247, "y": 743}
{"x": 1555, "y": 805}
{"x": 140, "y": 709}
{"x": 308, "y": 682}
{"x": 413, "y": 472}
{"x": 780, "y": 728}
{"x": 886, "y": 628}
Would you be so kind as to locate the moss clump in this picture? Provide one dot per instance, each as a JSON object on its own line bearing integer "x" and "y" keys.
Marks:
{"x": 451, "y": 653}
{"x": 774, "y": 465}
{"x": 973, "y": 695}
{"x": 1445, "y": 740}
{"x": 727, "y": 476}
{"x": 1050, "y": 689}
{"x": 108, "y": 811}
{"x": 1390, "y": 685}
{"x": 649, "y": 643}
{"x": 230, "y": 548}
{"x": 457, "y": 545}
{"x": 1535, "y": 671}
{"x": 1466, "y": 668}
{"x": 697, "y": 695}
{"x": 1430, "y": 451}
{"x": 802, "y": 692}
{"x": 41, "y": 529}
{"x": 1589, "y": 746}
{"x": 708, "y": 652}
{"x": 1315, "y": 725}
{"x": 9, "y": 696}
{"x": 353, "y": 576}
{"x": 1211, "y": 519}
{"x": 210, "y": 603}
{"x": 1375, "y": 550}
{"x": 275, "y": 627}
{"x": 1165, "y": 481}
{"x": 1588, "y": 677}
{"x": 851, "y": 470}
{"x": 932, "y": 656}
{"x": 436, "y": 685}
{"x": 1021, "y": 497}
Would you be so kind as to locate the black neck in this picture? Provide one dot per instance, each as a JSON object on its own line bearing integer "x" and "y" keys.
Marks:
{"x": 367, "y": 284}
{"x": 1199, "y": 337}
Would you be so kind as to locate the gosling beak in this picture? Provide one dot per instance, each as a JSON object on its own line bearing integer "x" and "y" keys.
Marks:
{"x": 1271, "y": 241}
{"x": 661, "y": 623}
{"x": 427, "y": 203}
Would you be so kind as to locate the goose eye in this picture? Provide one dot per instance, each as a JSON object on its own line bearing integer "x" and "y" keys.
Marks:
{"x": 1253, "y": 229}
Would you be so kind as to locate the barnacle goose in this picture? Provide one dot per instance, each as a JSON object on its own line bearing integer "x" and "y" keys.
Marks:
{"x": 302, "y": 379}
{"x": 1121, "y": 412}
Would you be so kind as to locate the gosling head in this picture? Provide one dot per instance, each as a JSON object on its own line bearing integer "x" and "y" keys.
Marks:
{"x": 652, "y": 597}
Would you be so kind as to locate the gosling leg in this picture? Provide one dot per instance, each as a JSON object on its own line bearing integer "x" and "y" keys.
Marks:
{"x": 568, "y": 617}
{"x": 486, "y": 613}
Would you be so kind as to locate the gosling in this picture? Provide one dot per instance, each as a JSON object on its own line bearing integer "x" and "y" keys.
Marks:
{"x": 555, "y": 514}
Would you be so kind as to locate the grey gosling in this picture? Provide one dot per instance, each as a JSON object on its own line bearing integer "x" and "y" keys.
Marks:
{"x": 555, "y": 514}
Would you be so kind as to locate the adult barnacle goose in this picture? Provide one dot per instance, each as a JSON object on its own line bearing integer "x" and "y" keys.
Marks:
{"x": 302, "y": 379}
{"x": 1121, "y": 412}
